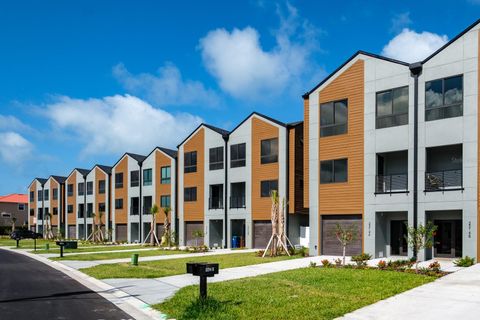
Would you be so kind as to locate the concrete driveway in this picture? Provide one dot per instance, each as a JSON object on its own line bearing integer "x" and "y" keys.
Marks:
{"x": 455, "y": 296}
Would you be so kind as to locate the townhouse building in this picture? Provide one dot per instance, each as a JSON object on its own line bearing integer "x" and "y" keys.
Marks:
{"x": 98, "y": 202}
{"x": 54, "y": 203}
{"x": 391, "y": 144}
{"x": 75, "y": 204}
{"x": 36, "y": 204}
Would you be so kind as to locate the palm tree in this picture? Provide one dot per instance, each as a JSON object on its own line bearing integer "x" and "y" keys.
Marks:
{"x": 48, "y": 225}
{"x": 166, "y": 226}
{"x": 153, "y": 225}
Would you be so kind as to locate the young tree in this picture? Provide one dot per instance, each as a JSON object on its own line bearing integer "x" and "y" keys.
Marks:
{"x": 153, "y": 224}
{"x": 48, "y": 225}
{"x": 13, "y": 223}
{"x": 197, "y": 234}
{"x": 166, "y": 226}
{"x": 345, "y": 235}
{"x": 274, "y": 218}
{"x": 421, "y": 238}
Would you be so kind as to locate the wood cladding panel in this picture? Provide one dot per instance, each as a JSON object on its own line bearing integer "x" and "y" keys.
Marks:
{"x": 306, "y": 150}
{"x": 478, "y": 155}
{"x": 296, "y": 170}
{"x": 348, "y": 197}
{"x": 121, "y": 215}
{"x": 100, "y": 197}
{"x": 32, "y": 205}
{"x": 72, "y": 200}
{"x": 162, "y": 160}
{"x": 193, "y": 210}
{"x": 291, "y": 170}
{"x": 261, "y": 206}
{"x": 54, "y": 203}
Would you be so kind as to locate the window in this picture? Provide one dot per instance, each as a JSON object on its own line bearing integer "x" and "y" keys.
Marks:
{"x": 21, "y": 206}
{"x": 70, "y": 190}
{"x": 90, "y": 187}
{"x": 216, "y": 196}
{"x": 147, "y": 177}
{"x": 81, "y": 210}
{"x": 32, "y": 196}
{"x": 134, "y": 178}
{"x": 333, "y": 118}
{"x": 55, "y": 194}
{"x": 89, "y": 210}
{"x": 190, "y": 194}
{"x": 334, "y": 171}
{"x": 165, "y": 201}
{"x": 70, "y": 208}
{"x": 216, "y": 158}
{"x": 119, "y": 180}
{"x": 269, "y": 151}
{"x": 118, "y": 203}
{"x": 39, "y": 195}
{"x": 190, "y": 162}
{"x": 32, "y": 212}
{"x": 266, "y": 187}
{"x": 444, "y": 98}
{"x": 237, "y": 155}
{"x": 55, "y": 211}
{"x": 147, "y": 204}
{"x": 101, "y": 207}
{"x": 165, "y": 175}
{"x": 101, "y": 186}
{"x": 46, "y": 211}
{"x": 392, "y": 108}
{"x": 237, "y": 195}
{"x": 45, "y": 194}
{"x": 81, "y": 188}
{"x": 39, "y": 213}
{"x": 134, "y": 206}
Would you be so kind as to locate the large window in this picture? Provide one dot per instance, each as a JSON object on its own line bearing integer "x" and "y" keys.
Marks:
{"x": 165, "y": 175}
{"x": 190, "y": 162}
{"x": 55, "y": 211}
{"x": 165, "y": 201}
{"x": 237, "y": 195}
{"x": 101, "y": 186}
{"x": 444, "y": 98}
{"x": 70, "y": 208}
{"x": 39, "y": 195}
{"x": 90, "y": 187}
{"x": 392, "y": 108}
{"x": 147, "y": 177}
{"x": 45, "y": 194}
{"x": 119, "y": 180}
{"x": 81, "y": 210}
{"x": 134, "y": 206}
{"x": 134, "y": 178}
{"x": 89, "y": 210}
{"x": 147, "y": 204}
{"x": 334, "y": 171}
{"x": 333, "y": 118}
{"x": 237, "y": 155}
{"x": 266, "y": 187}
{"x": 190, "y": 194}
{"x": 269, "y": 151}
{"x": 55, "y": 194}
{"x": 70, "y": 190}
{"x": 81, "y": 188}
{"x": 32, "y": 196}
{"x": 216, "y": 158}
{"x": 119, "y": 203}
{"x": 101, "y": 207}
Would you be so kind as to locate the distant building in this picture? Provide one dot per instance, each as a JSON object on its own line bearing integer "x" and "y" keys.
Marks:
{"x": 13, "y": 206}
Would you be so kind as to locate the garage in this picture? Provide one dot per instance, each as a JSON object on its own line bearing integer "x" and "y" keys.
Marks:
{"x": 190, "y": 229}
{"x": 72, "y": 234}
{"x": 262, "y": 231}
{"x": 330, "y": 244}
{"x": 121, "y": 232}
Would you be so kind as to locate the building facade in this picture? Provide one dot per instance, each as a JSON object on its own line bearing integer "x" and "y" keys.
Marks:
{"x": 14, "y": 207}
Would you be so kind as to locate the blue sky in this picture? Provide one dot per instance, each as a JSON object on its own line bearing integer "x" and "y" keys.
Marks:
{"x": 82, "y": 82}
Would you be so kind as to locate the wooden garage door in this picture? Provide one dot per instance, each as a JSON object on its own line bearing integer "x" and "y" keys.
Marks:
{"x": 262, "y": 231}
{"x": 121, "y": 232}
{"x": 331, "y": 245}
{"x": 190, "y": 227}
{"x": 72, "y": 232}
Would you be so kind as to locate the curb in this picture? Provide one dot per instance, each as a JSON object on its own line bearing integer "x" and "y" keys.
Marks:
{"x": 129, "y": 304}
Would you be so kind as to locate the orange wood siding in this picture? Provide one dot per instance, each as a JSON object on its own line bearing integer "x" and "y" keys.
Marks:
{"x": 121, "y": 215}
{"x": 478, "y": 155}
{"x": 100, "y": 197}
{"x": 193, "y": 210}
{"x": 33, "y": 205}
{"x": 306, "y": 149}
{"x": 54, "y": 203}
{"x": 291, "y": 170}
{"x": 262, "y": 130}
{"x": 72, "y": 217}
{"x": 161, "y": 160}
{"x": 345, "y": 198}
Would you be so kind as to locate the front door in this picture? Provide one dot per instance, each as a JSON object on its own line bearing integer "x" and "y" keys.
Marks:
{"x": 448, "y": 238}
{"x": 398, "y": 238}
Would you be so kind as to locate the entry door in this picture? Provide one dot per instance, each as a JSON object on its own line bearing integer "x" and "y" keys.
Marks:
{"x": 448, "y": 238}
{"x": 398, "y": 240}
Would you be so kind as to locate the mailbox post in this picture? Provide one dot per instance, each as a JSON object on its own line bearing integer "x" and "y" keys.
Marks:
{"x": 61, "y": 244}
{"x": 18, "y": 240}
{"x": 203, "y": 270}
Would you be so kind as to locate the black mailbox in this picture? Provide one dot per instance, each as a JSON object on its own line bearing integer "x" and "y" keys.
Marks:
{"x": 61, "y": 244}
{"x": 203, "y": 270}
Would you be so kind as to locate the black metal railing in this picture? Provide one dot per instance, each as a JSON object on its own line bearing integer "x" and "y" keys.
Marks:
{"x": 444, "y": 180}
{"x": 392, "y": 120}
{"x": 215, "y": 203}
{"x": 394, "y": 183}
{"x": 444, "y": 111}
{"x": 237, "y": 202}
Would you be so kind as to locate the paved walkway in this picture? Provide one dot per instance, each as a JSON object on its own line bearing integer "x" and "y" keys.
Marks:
{"x": 455, "y": 296}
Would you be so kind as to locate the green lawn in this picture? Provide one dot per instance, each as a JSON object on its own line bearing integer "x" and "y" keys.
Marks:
{"x": 91, "y": 248}
{"x": 310, "y": 293}
{"x": 118, "y": 255}
{"x": 163, "y": 268}
{"x": 26, "y": 243}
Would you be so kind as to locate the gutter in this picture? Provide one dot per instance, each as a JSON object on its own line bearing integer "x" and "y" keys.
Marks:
{"x": 225, "y": 189}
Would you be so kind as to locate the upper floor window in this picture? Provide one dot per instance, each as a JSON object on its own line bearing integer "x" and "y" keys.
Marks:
{"x": 32, "y": 196}
{"x": 32, "y": 212}
{"x": 444, "y": 98}
{"x": 90, "y": 187}
{"x": 70, "y": 208}
{"x": 334, "y": 171}
{"x": 333, "y": 118}
{"x": 190, "y": 194}
{"x": 21, "y": 206}
{"x": 119, "y": 180}
{"x": 165, "y": 201}
{"x": 81, "y": 188}
{"x": 70, "y": 190}
{"x": 266, "y": 187}
{"x": 134, "y": 178}
{"x": 237, "y": 155}
{"x": 134, "y": 206}
{"x": 216, "y": 158}
{"x": 147, "y": 177}
{"x": 269, "y": 151}
{"x": 101, "y": 186}
{"x": 392, "y": 108}
{"x": 55, "y": 194}
{"x": 190, "y": 162}
{"x": 39, "y": 195}
{"x": 101, "y": 207}
{"x": 119, "y": 203}
{"x": 45, "y": 194}
{"x": 165, "y": 175}
{"x": 55, "y": 211}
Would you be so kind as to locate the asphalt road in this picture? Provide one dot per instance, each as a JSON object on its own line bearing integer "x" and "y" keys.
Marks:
{"x": 32, "y": 290}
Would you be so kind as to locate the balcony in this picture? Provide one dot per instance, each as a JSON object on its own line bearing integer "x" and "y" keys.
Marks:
{"x": 447, "y": 180}
{"x": 395, "y": 183}
{"x": 215, "y": 203}
{"x": 391, "y": 176}
{"x": 237, "y": 202}
{"x": 444, "y": 171}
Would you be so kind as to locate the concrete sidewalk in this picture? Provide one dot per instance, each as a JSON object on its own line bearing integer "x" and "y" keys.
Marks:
{"x": 456, "y": 295}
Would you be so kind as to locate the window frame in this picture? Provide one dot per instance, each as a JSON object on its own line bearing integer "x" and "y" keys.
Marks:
{"x": 22, "y": 208}
{"x": 55, "y": 194}
{"x": 268, "y": 158}
{"x": 218, "y": 164}
{"x": 192, "y": 194}
{"x": 69, "y": 208}
{"x": 119, "y": 204}
{"x": 188, "y": 157}
{"x": 70, "y": 190}
{"x": 334, "y": 124}
{"x": 238, "y": 162}
{"x": 332, "y": 161}
{"x": 444, "y": 106}
{"x": 166, "y": 180}
{"x": 270, "y": 183}
{"x": 134, "y": 182}
{"x": 162, "y": 197}
{"x": 393, "y": 114}
{"x": 102, "y": 185}
{"x": 118, "y": 185}
{"x": 147, "y": 182}
{"x": 89, "y": 183}
{"x": 81, "y": 191}
{"x": 102, "y": 205}
{"x": 46, "y": 195}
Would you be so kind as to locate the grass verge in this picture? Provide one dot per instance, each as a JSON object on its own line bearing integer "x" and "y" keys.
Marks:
{"x": 118, "y": 255}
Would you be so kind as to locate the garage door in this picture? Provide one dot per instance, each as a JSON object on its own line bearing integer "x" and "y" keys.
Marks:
{"x": 72, "y": 232}
{"x": 262, "y": 231}
{"x": 121, "y": 232}
{"x": 190, "y": 228}
{"x": 331, "y": 245}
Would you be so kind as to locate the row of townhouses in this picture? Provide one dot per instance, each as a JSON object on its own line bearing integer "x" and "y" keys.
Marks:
{"x": 383, "y": 144}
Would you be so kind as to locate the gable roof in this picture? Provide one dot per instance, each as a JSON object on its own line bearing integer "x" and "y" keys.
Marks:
{"x": 134, "y": 156}
{"x": 220, "y": 131}
{"x": 106, "y": 169}
{"x": 59, "y": 179}
{"x": 261, "y": 116}
{"x": 41, "y": 180}
{"x": 14, "y": 198}
{"x": 83, "y": 172}
{"x": 169, "y": 152}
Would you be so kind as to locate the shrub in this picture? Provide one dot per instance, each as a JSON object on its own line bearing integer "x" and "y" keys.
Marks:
{"x": 259, "y": 253}
{"x": 303, "y": 252}
{"x": 434, "y": 266}
{"x": 338, "y": 262}
{"x": 361, "y": 259}
{"x": 464, "y": 262}
{"x": 312, "y": 264}
{"x": 382, "y": 265}
{"x": 326, "y": 263}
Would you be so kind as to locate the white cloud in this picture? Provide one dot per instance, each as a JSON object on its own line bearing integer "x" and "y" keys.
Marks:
{"x": 14, "y": 148}
{"x": 13, "y": 123}
{"x": 400, "y": 21}
{"x": 410, "y": 46}
{"x": 247, "y": 71}
{"x": 168, "y": 88}
{"x": 117, "y": 124}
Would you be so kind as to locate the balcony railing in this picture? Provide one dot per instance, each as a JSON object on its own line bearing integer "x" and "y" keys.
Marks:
{"x": 215, "y": 203}
{"x": 444, "y": 180}
{"x": 237, "y": 202}
{"x": 395, "y": 183}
